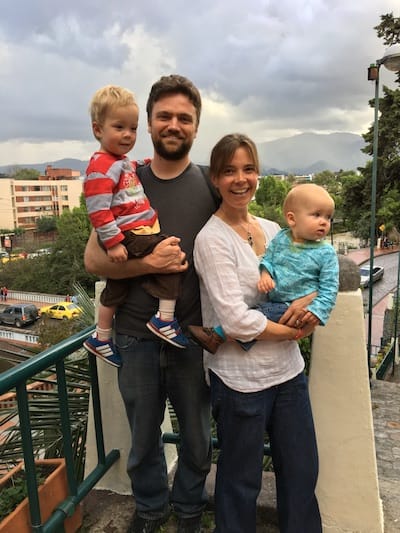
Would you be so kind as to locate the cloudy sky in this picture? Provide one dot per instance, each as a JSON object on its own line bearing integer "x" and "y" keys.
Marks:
{"x": 269, "y": 68}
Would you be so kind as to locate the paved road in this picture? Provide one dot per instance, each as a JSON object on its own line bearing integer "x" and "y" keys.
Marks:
{"x": 389, "y": 281}
{"x": 381, "y": 289}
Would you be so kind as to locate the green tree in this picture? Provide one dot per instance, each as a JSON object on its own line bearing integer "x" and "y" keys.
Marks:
{"x": 335, "y": 182}
{"x": 29, "y": 275}
{"x": 19, "y": 173}
{"x": 389, "y": 29}
{"x": 332, "y": 181}
{"x": 269, "y": 197}
{"x": 6, "y": 231}
{"x": 46, "y": 224}
{"x": 388, "y": 155}
{"x": 66, "y": 261}
{"x": 53, "y": 331}
{"x": 57, "y": 272}
{"x": 356, "y": 194}
{"x": 389, "y": 211}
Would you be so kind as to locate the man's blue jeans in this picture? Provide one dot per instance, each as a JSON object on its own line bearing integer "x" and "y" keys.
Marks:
{"x": 284, "y": 412}
{"x": 152, "y": 371}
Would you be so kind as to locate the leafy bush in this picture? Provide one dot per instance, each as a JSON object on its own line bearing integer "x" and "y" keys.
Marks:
{"x": 15, "y": 490}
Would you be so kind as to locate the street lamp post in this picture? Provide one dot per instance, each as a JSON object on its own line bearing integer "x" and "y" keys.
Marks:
{"x": 391, "y": 60}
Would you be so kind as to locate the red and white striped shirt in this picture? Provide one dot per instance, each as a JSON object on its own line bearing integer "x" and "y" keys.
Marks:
{"x": 115, "y": 198}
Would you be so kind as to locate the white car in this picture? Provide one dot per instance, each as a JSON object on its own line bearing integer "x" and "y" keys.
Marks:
{"x": 377, "y": 274}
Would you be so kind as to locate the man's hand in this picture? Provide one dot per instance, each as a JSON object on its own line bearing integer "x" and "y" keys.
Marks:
{"x": 167, "y": 257}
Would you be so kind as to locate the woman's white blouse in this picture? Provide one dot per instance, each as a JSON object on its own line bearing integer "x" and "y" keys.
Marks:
{"x": 229, "y": 271}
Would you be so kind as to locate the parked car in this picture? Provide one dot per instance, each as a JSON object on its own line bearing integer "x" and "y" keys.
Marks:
{"x": 61, "y": 310}
{"x": 19, "y": 315}
{"x": 38, "y": 253}
{"x": 377, "y": 274}
{"x": 5, "y": 257}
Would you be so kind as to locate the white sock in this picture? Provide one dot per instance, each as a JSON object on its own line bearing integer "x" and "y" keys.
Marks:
{"x": 103, "y": 334}
{"x": 167, "y": 310}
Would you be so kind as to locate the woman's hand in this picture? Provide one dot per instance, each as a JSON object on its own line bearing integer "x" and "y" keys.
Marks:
{"x": 294, "y": 316}
{"x": 305, "y": 331}
{"x": 310, "y": 318}
{"x": 283, "y": 332}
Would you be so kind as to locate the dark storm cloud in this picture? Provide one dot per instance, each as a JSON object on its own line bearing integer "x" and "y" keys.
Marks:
{"x": 292, "y": 65}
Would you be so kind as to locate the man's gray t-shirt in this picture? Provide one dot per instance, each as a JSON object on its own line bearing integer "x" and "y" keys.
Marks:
{"x": 184, "y": 204}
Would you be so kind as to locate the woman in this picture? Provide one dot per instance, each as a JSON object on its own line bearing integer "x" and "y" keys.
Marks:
{"x": 261, "y": 390}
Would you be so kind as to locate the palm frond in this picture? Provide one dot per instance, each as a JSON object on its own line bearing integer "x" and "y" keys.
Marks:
{"x": 45, "y": 416}
{"x": 87, "y": 317}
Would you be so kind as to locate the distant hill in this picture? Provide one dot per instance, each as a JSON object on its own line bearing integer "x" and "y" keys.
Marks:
{"x": 309, "y": 153}
{"x": 74, "y": 164}
{"x": 306, "y": 153}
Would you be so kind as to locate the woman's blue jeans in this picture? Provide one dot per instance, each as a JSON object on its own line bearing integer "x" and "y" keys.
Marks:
{"x": 152, "y": 371}
{"x": 284, "y": 412}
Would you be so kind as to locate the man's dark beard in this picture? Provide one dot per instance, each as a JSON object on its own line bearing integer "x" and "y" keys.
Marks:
{"x": 169, "y": 155}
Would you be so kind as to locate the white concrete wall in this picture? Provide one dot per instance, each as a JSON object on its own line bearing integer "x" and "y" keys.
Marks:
{"x": 116, "y": 433}
{"x": 348, "y": 491}
{"x": 116, "y": 429}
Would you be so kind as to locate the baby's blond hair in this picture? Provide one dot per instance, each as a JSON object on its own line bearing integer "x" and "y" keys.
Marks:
{"x": 107, "y": 98}
{"x": 303, "y": 194}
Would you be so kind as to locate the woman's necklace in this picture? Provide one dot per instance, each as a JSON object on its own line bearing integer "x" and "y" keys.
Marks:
{"x": 245, "y": 226}
{"x": 246, "y": 229}
{"x": 249, "y": 235}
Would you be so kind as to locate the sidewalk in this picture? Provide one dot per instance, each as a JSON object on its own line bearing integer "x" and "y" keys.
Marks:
{"x": 360, "y": 256}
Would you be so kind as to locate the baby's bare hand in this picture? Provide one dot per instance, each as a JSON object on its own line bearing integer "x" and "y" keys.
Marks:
{"x": 265, "y": 286}
{"x": 118, "y": 253}
{"x": 265, "y": 283}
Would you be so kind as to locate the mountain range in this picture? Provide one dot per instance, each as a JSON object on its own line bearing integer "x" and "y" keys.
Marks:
{"x": 309, "y": 153}
{"x": 306, "y": 153}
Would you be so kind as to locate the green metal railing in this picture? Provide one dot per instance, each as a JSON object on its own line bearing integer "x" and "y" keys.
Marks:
{"x": 174, "y": 438}
{"x": 16, "y": 378}
{"x": 382, "y": 369}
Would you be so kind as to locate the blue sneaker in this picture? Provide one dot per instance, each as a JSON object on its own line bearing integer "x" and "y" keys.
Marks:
{"x": 103, "y": 349}
{"x": 170, "y": 331}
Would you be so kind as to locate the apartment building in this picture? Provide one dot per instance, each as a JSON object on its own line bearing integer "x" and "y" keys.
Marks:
{"x": 23, "y": 202}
